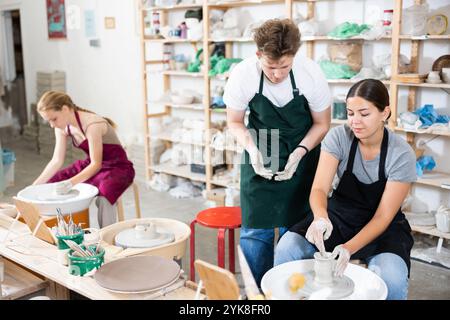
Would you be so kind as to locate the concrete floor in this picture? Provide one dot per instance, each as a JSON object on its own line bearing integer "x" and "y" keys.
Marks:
{"x": 427, "y": 281}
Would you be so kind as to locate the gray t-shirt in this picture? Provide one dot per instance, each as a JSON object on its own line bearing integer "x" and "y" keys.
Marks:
{"x": 400, "y": 159}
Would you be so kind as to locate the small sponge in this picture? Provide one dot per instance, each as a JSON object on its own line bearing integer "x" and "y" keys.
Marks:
{"x": 296, "y": 281}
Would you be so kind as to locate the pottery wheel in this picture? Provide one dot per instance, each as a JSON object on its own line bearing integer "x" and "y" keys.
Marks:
{"x": 127, "y": 239}
{"x": 137, "y": 274}
{"x": 340, "y": 288}
{"x": 58, "y": 197}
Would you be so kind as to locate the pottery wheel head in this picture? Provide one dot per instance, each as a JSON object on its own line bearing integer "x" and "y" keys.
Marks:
{"x": 59, "y": 197}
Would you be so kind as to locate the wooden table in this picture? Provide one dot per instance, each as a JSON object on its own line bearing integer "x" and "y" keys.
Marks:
{"x": 40, "y": 257}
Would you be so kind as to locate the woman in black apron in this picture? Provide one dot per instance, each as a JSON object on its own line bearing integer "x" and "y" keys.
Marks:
{"x": 360, "y": 220}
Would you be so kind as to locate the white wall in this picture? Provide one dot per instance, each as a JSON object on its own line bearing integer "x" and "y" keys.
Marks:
{"x": 106, "y": 79}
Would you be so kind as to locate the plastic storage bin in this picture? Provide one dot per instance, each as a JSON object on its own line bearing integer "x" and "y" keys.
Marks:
{"x": 8, "y": 160}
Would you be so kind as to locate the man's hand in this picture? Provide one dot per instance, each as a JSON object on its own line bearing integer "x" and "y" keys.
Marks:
{"x": 315, "y": 232}
{"x": 63, "y": 187}
{"x": 291, "y": 165}
{"x": 257, "y": 162}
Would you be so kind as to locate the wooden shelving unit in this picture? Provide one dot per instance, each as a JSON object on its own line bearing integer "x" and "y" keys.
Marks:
{"x": 309, "y": 42}
{"x": 435, "y": 178}
{"x": 184, "y": 171}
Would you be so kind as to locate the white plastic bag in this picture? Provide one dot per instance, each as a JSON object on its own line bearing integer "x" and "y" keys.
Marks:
{"x": 415, "y": 20}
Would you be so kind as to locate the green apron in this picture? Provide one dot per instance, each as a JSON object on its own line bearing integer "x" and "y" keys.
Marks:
{"x": 268, "y": 203}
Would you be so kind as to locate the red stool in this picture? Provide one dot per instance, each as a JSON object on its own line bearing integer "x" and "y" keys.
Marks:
{"x": 222, "y": 218}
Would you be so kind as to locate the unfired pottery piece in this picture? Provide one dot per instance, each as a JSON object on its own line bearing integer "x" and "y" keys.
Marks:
{"x": 421, "y": 219}
{"x": 137, "y": 274}
{"x": 128, "y": 239}
{"x": 341, "y": 287}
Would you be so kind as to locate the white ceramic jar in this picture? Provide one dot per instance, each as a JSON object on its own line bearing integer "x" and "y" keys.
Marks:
{"x": 443, "y": 219}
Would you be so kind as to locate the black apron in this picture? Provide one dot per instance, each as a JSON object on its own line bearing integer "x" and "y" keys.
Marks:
{"x": 268, "y": 203}
{"x": 352, "y": 206}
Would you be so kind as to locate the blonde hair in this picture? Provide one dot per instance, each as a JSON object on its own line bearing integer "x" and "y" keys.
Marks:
{"x": 55, "y": 100}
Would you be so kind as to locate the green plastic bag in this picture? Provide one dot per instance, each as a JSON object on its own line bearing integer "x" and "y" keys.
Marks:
{"x": 336, "y": 71}
{"x": 222, "y": 65}
{"x": 194, "y": 66}
{"x": 346, "y": 30}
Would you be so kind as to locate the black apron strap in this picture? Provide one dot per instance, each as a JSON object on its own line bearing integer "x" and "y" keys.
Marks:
{"x": 295, "y": 90}
{"x": 351, "y": 156}
{"x": 383, "y": 154}
{"x": 261, "y": 83}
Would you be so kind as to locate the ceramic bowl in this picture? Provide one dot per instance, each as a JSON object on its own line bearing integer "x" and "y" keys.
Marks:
{"x": 181, "y": 99}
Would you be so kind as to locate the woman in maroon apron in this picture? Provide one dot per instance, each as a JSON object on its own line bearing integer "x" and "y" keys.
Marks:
{"x": 362, "y": 219}
{"x": 106, "y": 165}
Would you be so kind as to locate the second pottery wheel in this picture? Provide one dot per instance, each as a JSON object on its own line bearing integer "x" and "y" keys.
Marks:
{"x": 130, "y": 238}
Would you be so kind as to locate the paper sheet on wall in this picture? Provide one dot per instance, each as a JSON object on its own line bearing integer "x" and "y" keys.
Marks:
{"x": 89, "y": 23}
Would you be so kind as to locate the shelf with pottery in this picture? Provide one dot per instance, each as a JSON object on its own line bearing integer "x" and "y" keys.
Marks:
{"x": 224, "y": 183}
{"x": 183, "y": 74}
{"x": 441, "y": 85}
{"x": 433, "y": 231}
{"x": 328, "y": 38}
{"x": 436, "y": 132}
{"x": 231, "y": 4}
{"x": 183, "y": 171}
{"x": 435, "y": 179}
{"x": 171, "y": 40}
{"x": 427, "y": 229}
{"x": 180, "y": 6}
{"x": 425, "y": 37}
{"x": 350, "y": 81}
{"x": 238, "y": 39}
{"x": 167, "y": 136}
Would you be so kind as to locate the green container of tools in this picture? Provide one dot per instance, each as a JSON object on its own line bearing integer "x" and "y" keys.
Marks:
{"x": 77, "y": 238}
{"x": 78, "y": 266}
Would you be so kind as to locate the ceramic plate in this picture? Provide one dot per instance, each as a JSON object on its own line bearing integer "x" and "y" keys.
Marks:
{"x": 127, "y": 239}
{"x": 340, "y": 288}
{"x": 137, "y": 274}
{"x": 58, "y": 197}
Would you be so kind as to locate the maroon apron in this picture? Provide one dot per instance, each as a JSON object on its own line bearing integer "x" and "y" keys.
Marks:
{"x": 115, "y": 176}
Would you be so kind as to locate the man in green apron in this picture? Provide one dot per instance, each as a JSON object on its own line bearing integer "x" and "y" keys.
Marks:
{"x": 289, "y": 102}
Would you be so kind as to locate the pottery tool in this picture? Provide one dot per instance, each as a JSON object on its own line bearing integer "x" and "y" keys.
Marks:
{"x": 78, "y": 250}
{"x": 66, "y": 229}
{"x": 251, "y": 289}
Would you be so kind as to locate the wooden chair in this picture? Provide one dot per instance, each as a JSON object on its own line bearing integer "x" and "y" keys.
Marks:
{"x": 219, "y": 283}
{"x": 120, "y": 211}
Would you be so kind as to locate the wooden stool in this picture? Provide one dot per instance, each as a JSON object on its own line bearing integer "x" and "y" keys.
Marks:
{"x": 222, "y": 218}
{"x": 120, "y": 212}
